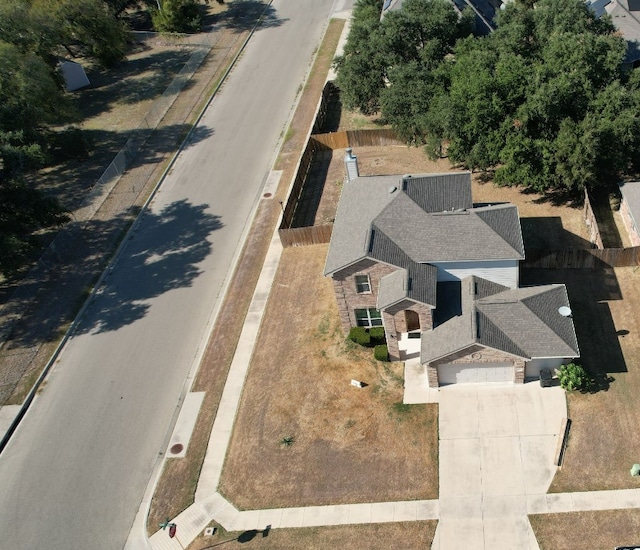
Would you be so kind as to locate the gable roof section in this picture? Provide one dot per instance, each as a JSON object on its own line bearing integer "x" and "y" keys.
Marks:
{"x": 393, "y": 288}
{"x": 483, "y": 288}
{"x": 439, "y": 192}
{"x": 524, "y": 322}
{"x": 529, "y": 319}
{"x": 361, "y": 200}
{"x": 421, "y": 279}
{"x": 487, "y": 233}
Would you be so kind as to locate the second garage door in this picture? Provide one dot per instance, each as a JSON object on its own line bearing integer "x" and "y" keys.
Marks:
{"x": 474, "y": 373}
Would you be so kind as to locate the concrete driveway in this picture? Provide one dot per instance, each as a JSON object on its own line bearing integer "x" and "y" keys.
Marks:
{"x": 497, "y": 445}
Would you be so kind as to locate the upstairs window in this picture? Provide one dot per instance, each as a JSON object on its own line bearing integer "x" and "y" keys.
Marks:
{"x": 363, "y": 285}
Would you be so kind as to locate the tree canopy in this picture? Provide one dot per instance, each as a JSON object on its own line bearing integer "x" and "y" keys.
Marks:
{"x": 544, "y": 100}
{"x": 34, "y": 35}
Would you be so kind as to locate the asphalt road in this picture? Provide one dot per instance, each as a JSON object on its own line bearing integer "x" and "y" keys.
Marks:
{"x": 74, "y": 473}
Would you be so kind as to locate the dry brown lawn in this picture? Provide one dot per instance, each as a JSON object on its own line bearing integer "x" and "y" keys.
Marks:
{"x": 604, "y": 438}
{"x": 413, "y": 535}
{"x": 603, "y": 530}
{"x": 350, "y": 445}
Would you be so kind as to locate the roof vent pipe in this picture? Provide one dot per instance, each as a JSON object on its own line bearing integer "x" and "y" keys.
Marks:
{"x": 351, "y": 163}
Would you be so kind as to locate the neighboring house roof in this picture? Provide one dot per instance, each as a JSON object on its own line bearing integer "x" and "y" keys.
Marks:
{"x": 524, "y": 322}
{"x": 598, "y": 6}
{"x": 626, "y": 18}
{"x": 631, "y": 195}
{"x": 399, "y": 222}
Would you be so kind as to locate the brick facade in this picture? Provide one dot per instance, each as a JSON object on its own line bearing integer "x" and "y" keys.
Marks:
{"x": 477, "y": 354}
{"x": 347, "y": 295}
{"x": 393, "y": 318}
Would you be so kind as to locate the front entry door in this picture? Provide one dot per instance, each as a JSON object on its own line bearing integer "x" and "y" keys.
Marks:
{"x": 412, "y": 319}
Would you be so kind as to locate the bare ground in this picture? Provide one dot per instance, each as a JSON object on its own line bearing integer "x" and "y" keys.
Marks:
{"x": 545, "y": 224}
{"x": 350, "y": 445}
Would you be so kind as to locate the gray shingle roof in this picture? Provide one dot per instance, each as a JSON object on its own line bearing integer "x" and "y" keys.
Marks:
{"x": 393, "y": 288}
{"x": 631, "y": 194}
{"x": 452, "y": 336}
{"x": 439, "y": 192}
{"x": 421, "y": 278}
{"x": 487, "y": 233}
{"x": 361, "y": 200}
{"x": 524, "y": 322}
{"x": 399, "y": 221}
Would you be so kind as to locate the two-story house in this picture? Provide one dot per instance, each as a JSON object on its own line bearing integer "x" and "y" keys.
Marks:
{"x": 415, "y": 254}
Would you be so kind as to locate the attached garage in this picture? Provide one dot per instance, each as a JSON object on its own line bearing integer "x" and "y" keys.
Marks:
{"x": 475, "y": 373}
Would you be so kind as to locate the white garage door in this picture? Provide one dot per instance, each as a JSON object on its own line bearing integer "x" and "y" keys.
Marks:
{"x": 475, "y": 373}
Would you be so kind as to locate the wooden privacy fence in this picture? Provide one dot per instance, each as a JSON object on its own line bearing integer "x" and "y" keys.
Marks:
{"x": 591, "y": 221}
{"x": 582, "y": 257}
{"x": 298, "y": 183}
{"x": 358, "y": 138}
{"x": 302, "y": 236}
{"x": 329, "y": 90}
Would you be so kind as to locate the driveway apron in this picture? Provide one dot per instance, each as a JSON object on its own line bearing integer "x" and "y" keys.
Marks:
{"x": 497, "y": 445}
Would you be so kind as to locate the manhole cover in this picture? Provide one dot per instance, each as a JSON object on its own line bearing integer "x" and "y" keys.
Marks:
{"x": 267, "y": 195}
{"x": 177, "y": 448}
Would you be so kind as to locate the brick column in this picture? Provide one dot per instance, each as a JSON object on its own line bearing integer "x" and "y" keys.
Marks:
{"x": 432, "y": 376}
{"x": 392, "y": 336}
{"x": 518, "y": 371}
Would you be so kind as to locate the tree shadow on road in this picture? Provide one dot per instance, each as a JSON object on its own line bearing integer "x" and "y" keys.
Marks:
{"x": 180, "y": 233}
{"x": 242, "y": 16}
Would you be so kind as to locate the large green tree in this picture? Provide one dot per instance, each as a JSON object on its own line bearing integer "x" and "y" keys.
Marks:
{"x": 380, "y": 52}
{"x": 34, "y": 35}
{"x": 362, "y": 67}
{"x": 543, "y": 100}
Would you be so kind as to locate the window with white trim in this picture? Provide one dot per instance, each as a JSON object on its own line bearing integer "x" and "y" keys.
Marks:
{"x": 363, "y": 285}
{"x": 368, "y": 317}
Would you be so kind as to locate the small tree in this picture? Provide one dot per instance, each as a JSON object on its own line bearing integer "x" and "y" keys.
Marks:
{"x": 177, "y": 16}
{"x": 573, "y": 377}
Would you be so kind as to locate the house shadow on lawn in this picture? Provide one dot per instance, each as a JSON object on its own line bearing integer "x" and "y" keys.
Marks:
{"x": 549, "y": 233}
{"x": 589, "y": 291}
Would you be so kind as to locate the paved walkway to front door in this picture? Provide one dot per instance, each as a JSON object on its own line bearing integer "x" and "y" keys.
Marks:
{"x": 497, "y": 444}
